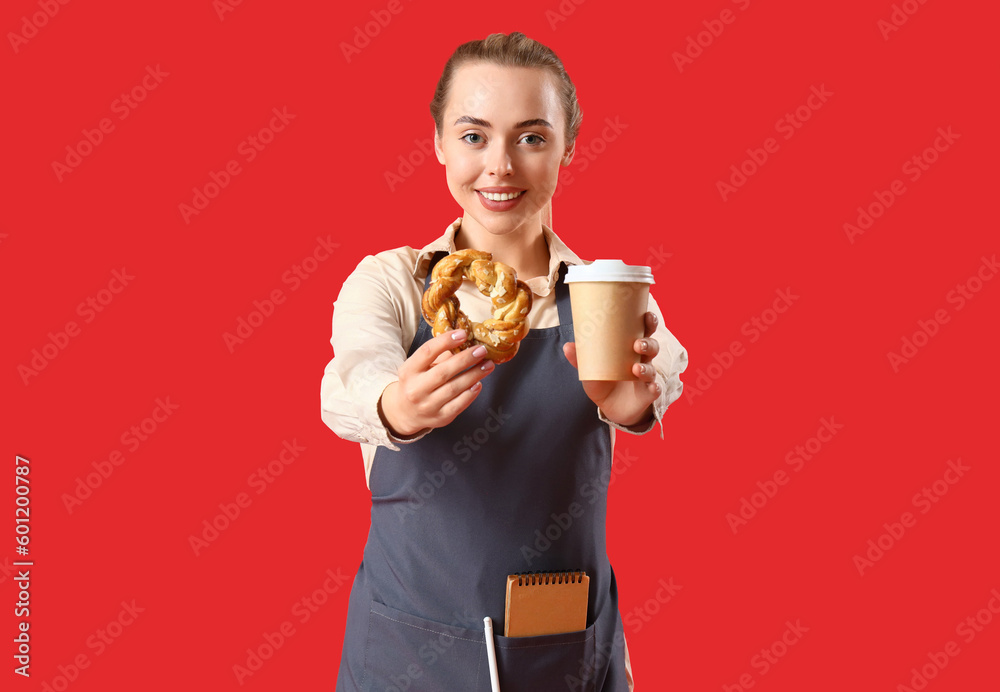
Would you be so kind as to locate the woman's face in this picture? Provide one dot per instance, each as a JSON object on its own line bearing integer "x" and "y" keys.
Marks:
{"x": 503, "y": 131}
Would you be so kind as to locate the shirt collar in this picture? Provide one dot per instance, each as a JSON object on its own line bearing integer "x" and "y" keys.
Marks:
{"x": 540, "y": 285}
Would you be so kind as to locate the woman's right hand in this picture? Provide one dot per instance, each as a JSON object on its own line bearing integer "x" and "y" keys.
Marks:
{"x": 434, "y": 385}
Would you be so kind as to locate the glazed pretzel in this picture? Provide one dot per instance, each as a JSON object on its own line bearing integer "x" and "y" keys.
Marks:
{"x": 511, "y": 303}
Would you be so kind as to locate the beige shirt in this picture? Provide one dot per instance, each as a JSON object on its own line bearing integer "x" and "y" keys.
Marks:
{"x": 376, "y": 317}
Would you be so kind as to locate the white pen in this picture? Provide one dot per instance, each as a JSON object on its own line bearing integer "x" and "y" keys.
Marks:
{"x": 491, "y": 653}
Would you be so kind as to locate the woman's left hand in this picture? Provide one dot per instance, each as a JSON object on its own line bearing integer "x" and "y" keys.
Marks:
{"x": 627, "y": 402}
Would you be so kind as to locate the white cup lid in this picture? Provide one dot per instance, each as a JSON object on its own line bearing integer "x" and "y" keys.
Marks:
{"x": 609, "y": 270}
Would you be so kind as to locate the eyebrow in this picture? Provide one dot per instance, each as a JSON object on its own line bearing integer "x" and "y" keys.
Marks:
{"x": 524, "y": 123}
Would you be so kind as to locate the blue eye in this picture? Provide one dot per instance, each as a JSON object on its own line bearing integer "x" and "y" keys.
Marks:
{"x": 472, "y": 134}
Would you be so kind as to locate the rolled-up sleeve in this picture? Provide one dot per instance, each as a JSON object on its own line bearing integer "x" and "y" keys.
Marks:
{"x": 367, "y": 340}
{"x": 669, "y": 363}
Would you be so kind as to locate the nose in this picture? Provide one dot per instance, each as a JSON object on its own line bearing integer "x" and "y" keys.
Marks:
{"x": 499, "y": 162}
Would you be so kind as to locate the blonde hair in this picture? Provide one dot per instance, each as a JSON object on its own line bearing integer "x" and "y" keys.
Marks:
{"x": 512, "y": 50}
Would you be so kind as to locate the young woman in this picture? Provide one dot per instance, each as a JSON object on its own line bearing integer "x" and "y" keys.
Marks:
{"x": 479, "y": 470}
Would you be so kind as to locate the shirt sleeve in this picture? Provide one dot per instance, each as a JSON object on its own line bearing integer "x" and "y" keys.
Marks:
{"x": 367, "y": 340}
{"x": 669, "y": 363}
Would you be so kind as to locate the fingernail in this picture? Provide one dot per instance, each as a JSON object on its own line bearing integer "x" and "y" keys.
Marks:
{"x": 476, "y": 387}
{"x": 479, "y": 351}
{"x": 458, "y": 335}
{"x": 488, "y": 365}
{"x": 644, "y": 346}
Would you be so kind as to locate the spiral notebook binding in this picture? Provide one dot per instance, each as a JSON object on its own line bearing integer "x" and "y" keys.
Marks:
{"x": 546, "y": 578}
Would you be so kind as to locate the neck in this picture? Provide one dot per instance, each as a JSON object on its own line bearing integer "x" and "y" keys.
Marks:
{"x": 524, "y": 249}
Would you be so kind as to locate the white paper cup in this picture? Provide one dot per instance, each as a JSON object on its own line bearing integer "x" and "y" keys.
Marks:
{"x": 609, "y": 299}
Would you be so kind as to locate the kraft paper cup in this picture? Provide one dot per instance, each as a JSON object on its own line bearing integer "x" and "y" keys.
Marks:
{"x": 608, "y": 299}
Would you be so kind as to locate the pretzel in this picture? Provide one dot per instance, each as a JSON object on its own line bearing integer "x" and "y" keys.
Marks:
{"x": 511, "y": 303}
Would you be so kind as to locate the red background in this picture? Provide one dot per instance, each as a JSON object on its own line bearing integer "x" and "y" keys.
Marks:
{"x": 654, "y": 187}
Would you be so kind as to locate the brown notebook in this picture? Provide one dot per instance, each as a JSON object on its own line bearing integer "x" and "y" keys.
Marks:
{"x": 546, "y": 603}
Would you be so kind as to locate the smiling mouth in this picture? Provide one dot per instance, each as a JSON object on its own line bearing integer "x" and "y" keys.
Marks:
{"x": 500, "y": 196}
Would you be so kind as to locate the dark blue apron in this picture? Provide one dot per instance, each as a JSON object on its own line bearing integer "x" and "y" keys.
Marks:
{"x": 511, "y": 485}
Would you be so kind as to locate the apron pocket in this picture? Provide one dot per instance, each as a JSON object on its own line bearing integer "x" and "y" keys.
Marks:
{"x": 405, "y": 652}
{"x": 548, "y": 662}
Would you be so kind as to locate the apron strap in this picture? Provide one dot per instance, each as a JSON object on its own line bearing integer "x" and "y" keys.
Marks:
{"x": 562, "y": 297}
{"x": 435, "y": 258}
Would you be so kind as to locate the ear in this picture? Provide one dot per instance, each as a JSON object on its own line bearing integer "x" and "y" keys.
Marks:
{"x": 437, "y": 147}
{"x": 568, "y": 156}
